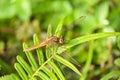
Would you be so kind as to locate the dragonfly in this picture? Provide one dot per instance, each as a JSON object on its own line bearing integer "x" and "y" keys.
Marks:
{"x": 51, "y": 40}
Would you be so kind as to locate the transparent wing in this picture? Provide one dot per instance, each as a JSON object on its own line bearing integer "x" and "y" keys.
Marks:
{"x": 69, "y": 58}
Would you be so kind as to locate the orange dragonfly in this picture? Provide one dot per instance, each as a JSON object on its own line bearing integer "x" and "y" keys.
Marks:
{"x": 51, "y": 40}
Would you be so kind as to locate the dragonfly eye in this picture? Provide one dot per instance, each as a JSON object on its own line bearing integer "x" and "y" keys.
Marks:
{"x": 61, "y": 40}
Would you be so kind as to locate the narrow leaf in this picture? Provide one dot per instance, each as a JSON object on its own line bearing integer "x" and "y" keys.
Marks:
{"x": 42, "y": 76}
{"x": 56, "y": 70}
{"x": 38, "y": 50}
{"x": 111, "y": 75}
{"x": 49, "y": 31}
{"x": 25, "y": 65}
{"x": 49, "y": 34}
{"x": 59, "y": 27}
{"x": 66, "y": 63}
{"x": 20, "y": 71}
{"x": 49, "y": 73}
{"x": 30, "y": 58}
{"x": 88, "y": 62}
{"x": 85, "y": 38}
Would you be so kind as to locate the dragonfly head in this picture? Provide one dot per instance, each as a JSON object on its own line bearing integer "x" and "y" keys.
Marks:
{"x": 61, "y": 40}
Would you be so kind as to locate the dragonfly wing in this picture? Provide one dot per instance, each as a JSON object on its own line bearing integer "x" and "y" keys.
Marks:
{"x": 72, "y": 60}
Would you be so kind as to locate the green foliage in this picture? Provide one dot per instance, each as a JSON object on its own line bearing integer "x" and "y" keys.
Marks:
{"x": 118, "y": 42}
{"x": 112, "y": 74}
{"x": 99, "y": 58}
{"x": 10, "y": 77}
{"x": 117, "y": 62}
{"x": 17, "y": 7}
{"x": 5, "y": 67}
{"x": 102, "y": 12}
{"x": 85, "y": 38}
{"x": 37, "y": 71}
{"x": 88, "y": 62}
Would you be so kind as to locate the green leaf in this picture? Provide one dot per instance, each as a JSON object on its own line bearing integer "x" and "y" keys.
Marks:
{"x": 117, "y": 62}
{"x": 59, "y": 27}
{"x": 9, "y": 77}
{"x": 25, "y": 65}
{"x": 56, "y": 70}
{"x": 88, "y": 62}
{"x": 67, "y": 63}
{"x": 49, "y": 34}
{"x": 30, "y": 58}
{"x": 102, "y": 11}
{"x": 23, "y": 8}
{"x": 49, "y": 73}
{"x": 7, "y": 7}
{"x": 38, "y": 50}
{"x": 111, "y": 75}
{"x": 42, "y": 76}
{"x": 49, "y": 31}
{"x": 85, "y": 38}
{"x": 21, "y": 72}
{"x": 48, "y": 52}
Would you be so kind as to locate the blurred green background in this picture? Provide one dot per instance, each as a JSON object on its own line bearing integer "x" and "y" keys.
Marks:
{"x": 20, "y": 19}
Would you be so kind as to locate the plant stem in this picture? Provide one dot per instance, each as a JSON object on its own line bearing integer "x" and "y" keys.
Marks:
{"x": 88, "y": 62}
{"x": 41, "y": 67}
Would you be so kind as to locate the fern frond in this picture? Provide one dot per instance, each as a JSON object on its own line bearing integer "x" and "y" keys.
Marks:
{"x": 43, "y": 69}
{"x": 37, "y": 70}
